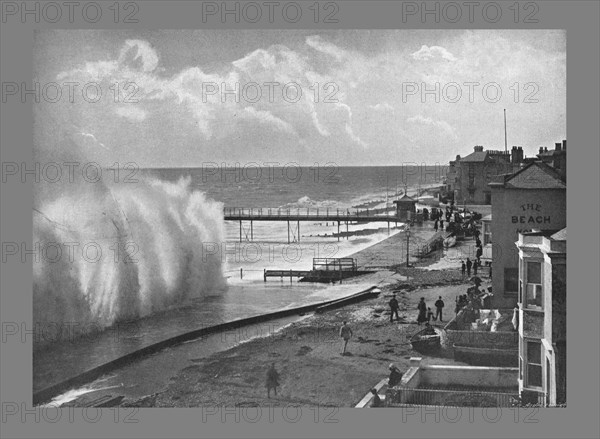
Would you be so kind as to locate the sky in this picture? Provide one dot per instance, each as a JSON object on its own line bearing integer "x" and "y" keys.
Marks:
{"x": 350, "y": 97}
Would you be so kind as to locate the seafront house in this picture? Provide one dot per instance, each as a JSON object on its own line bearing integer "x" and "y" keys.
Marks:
{"x": 535, "y": 197}
{"x": 542, "y": 316}
{"x": 468, "y": 177}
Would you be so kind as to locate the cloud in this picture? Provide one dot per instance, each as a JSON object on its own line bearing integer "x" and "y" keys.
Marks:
{"x": 140, "y": 51}
{"x": 369, "y": 112}
{"x": 91, "y": 136}
{"x": 382, "y": 106}
{"x": 426, "y": 53}
{"x": 439, "y": 124}
{"x": 317, "y": 43}
{"x": 267, "y": 118}
{"x": 132, "y": 113}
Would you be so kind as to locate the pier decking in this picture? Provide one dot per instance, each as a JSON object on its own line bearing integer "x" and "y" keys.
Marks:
{"x": 291, "y": 216}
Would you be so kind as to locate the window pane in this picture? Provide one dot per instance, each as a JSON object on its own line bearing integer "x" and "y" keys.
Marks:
{"x": 534, "y": 295}
{"x": 511, "y": 280}
{"x": 534, "y": 273}
{"x": 534, "y": 354}
{"x": 534, "y": 375}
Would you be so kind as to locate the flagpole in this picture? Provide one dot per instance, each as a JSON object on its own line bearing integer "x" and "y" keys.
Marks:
{"x": 505, "y": 142}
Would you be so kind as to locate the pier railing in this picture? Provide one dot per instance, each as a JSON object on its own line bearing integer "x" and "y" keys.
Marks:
{"x": 253, "y": 212}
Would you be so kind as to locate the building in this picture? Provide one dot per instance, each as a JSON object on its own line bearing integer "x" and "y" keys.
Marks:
{"x": 535, "y": 197}
{"x": 542, "y": 316}
{"x": 406, "y": 208}
{"x": 469, "y": 176}
{"x": 557, "y": 158}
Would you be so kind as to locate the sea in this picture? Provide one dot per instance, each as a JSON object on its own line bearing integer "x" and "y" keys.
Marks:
{"x": 171, "y": 263}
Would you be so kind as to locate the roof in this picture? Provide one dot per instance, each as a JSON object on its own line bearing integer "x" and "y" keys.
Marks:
{"x": 561, "y": 235}
{"x": 536, "y": 175}
{"x": 405, "y": 198}
{"x": 476, "y": 156}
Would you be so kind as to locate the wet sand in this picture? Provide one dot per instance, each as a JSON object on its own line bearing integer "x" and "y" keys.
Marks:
{"x": 307, "y": 354}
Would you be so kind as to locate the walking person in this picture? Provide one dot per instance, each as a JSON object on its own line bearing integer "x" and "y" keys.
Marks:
{"x": 394, "y": 306}
{"x": 346, "y": 334}
{"x": 439, "y": 305}
{"x": 422, "y": 307}
{"x": 442, "y": 225}
{"x": 272, "y": 380}
{"x": 435, "y": 225}
{"x": 475, "y": 265}
{"x": 469, "y": 265}
{"x": 463, "y": 267}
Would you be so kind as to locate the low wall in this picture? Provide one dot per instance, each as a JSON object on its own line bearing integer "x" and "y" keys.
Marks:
{"x": 470, "y": 376}
{"x": 482, "y": 338}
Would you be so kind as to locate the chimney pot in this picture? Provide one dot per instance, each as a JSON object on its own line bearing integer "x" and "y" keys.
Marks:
{"x": 545, "y": 149}
{"x": 564, "y": 145}
{"x": 541, "y": 149}
{"x": 557, "y": 146}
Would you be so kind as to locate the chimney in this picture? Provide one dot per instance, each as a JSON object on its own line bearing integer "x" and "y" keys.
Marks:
{"x": 514, "y": 155}
{"x": 541, "y": 149}
{"x": 457, "y": 158}
{"x": 478, "y": 148}
{"x": 545, "y": 149}
{"x": 557, "y": 146}
{"x": 520, "y": 149}
{"x": 565, "y": 145}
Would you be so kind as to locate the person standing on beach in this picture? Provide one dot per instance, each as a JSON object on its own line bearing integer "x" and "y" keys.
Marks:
{"x": 475, "y": 264}
{"x": 394, "y": 306}
{"x": 346, "y": 334}
{"x": 272, "y": 380}
{"x": 435, "y": 225}
{"x": 439, "y": 304}
{"x": 463, "y": 267}
{"x": 442, "y": 225}
{"x": 377, "y": 401}
{"x": 422, "y": 307}
{"x": 469, "y": 265}
{"x": 395, "y": 375}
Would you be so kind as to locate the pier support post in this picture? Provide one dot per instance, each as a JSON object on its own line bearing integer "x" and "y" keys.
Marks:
{"x": 346, "y": 229}
{"x": 288, "y": 228}
{"x": 240, "y": 230}
{"x": 251, "y": 231}
{"x": 298, "y": 230}
{"x": 338, "y": 231}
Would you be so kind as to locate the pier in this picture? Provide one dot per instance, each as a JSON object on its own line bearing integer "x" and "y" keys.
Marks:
{"x": 293, "y": 217}
{"x": 323, "y": 270}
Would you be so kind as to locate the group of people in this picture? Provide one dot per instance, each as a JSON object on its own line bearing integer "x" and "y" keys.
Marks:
{"x": 425, "y": 313}
{"x": 393, "y": 380}
{"x": 470, "y": 266}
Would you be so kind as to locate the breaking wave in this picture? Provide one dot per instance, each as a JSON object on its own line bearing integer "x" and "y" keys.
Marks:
{"x": 113, "y": 252}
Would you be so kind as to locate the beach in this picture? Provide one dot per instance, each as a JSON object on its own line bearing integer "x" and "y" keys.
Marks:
{"x": 307, "y": 353}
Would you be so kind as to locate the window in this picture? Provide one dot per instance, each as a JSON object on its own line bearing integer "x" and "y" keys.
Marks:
{"x": 534, "y": 364}
{"x": 533, "y": 287}
{"x": 487, "y": 234}
{"x": 520, "y": 291}
{"x": 511, "y": 280}
{"x": 521, "y": 365}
